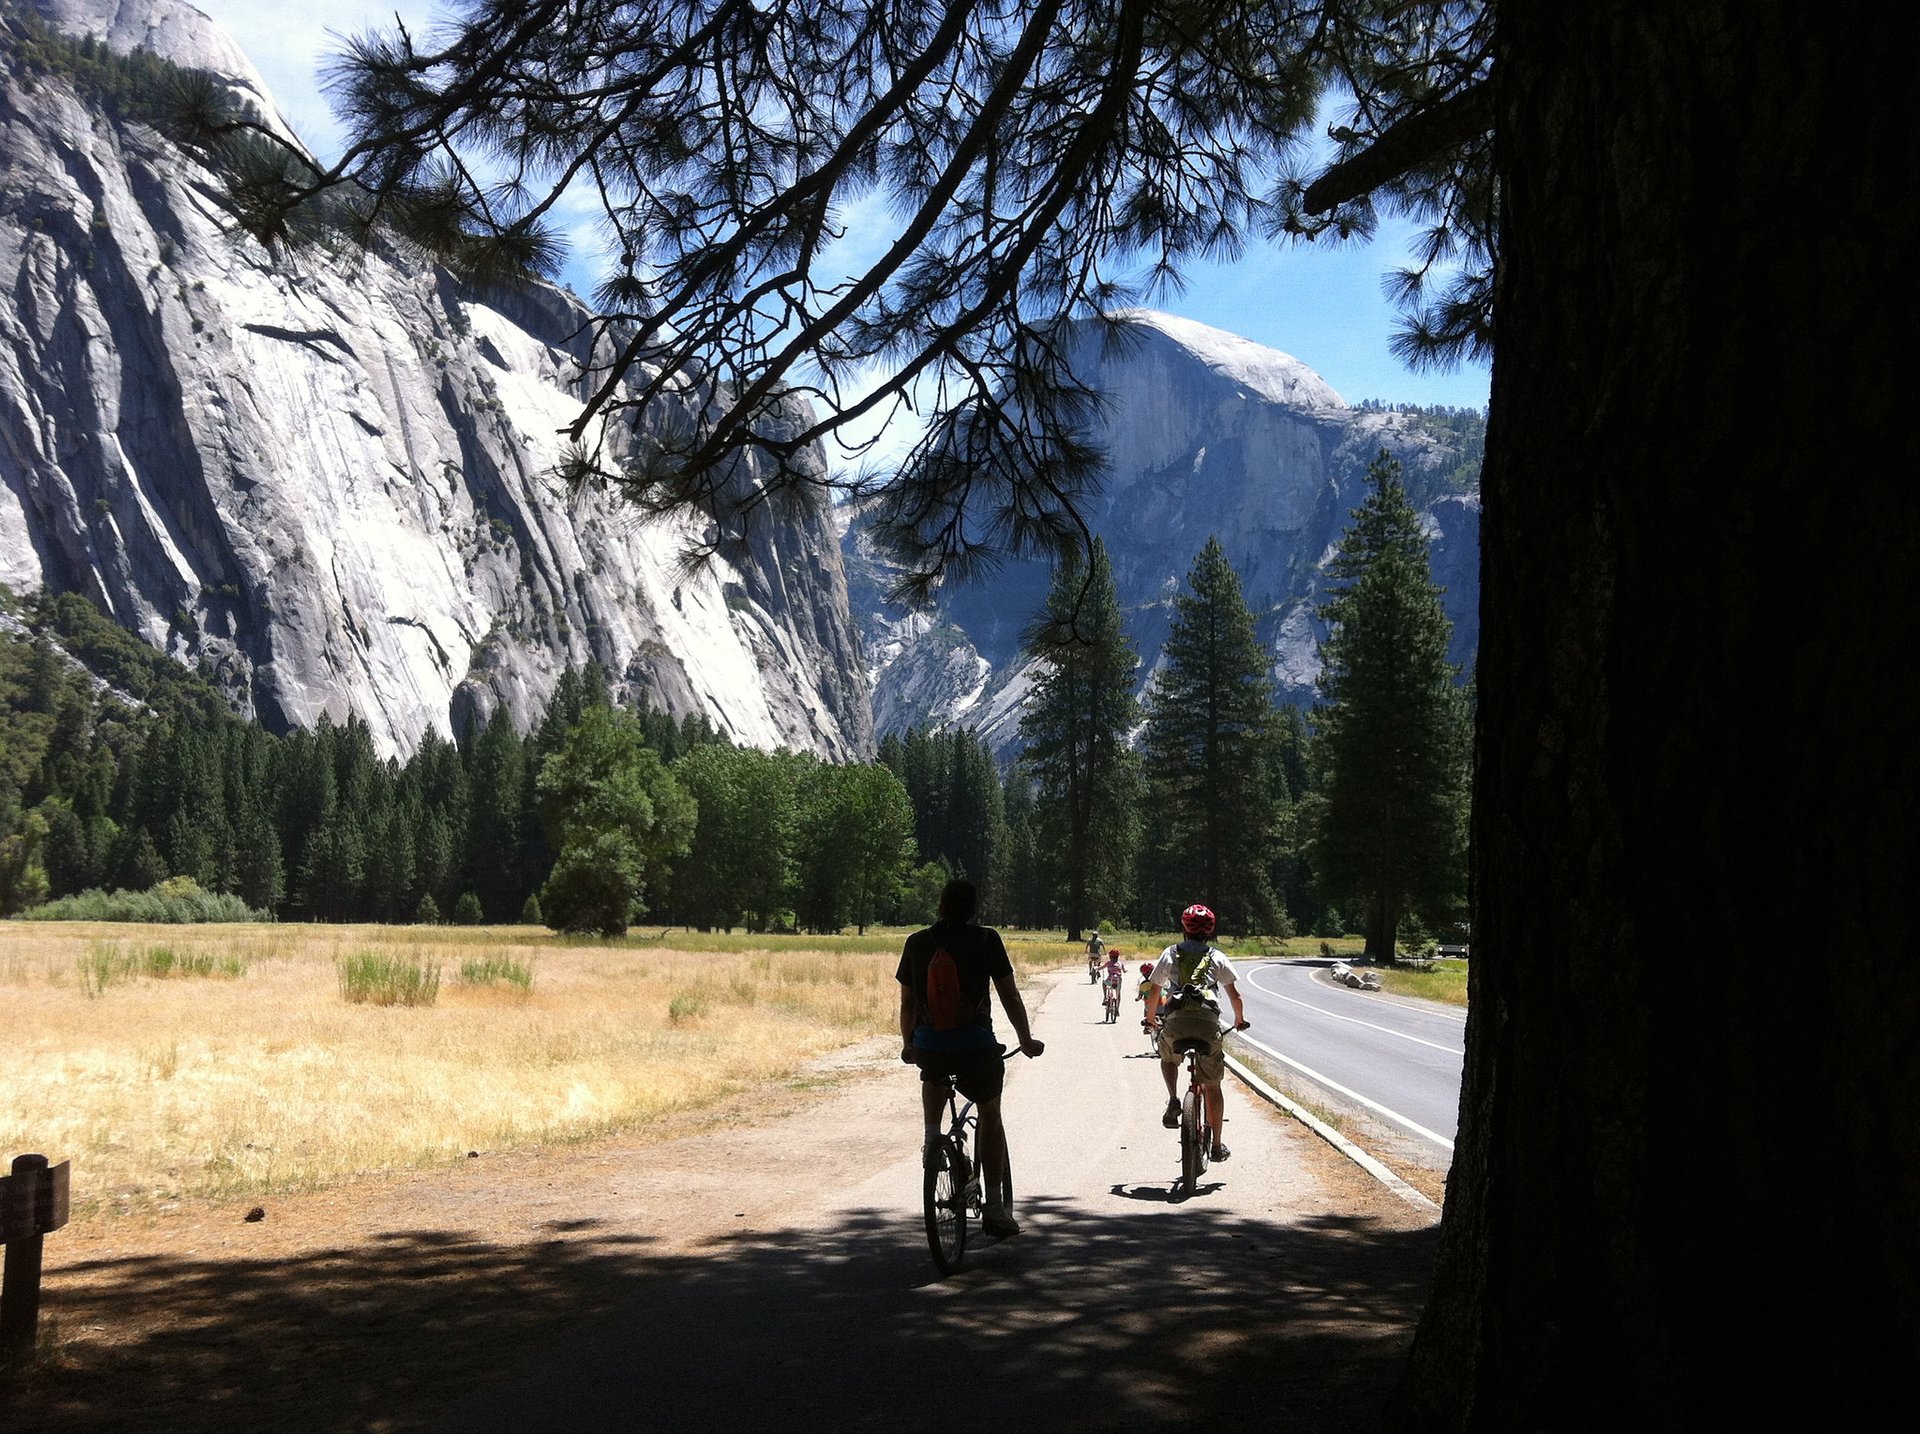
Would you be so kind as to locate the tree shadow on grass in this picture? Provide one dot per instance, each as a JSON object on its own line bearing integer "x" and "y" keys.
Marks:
{"x": 1102, "y": 1321}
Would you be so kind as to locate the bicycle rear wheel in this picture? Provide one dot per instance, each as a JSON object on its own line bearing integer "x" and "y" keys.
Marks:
{"x": 1006, "y": 1185}
{"x": 1193, "y": 1159}
{"x": 943, "y": 1197}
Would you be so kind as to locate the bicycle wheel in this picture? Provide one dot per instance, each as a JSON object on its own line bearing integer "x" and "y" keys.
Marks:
{"x": 1193, "y": 1159}
{"x": 1006, "y": 1185}
{"x": 943, "y": 1197}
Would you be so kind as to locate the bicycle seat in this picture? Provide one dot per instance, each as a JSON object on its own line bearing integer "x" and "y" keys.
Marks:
{"x": 1190, "y": 1044}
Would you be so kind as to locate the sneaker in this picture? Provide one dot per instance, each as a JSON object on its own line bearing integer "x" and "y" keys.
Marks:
{"x": 1220, "y": 1152}
{"x": 1170, "y": 1117}
{"x": 999, "y": 1223}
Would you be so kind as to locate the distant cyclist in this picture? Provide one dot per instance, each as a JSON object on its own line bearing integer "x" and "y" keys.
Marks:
{"x": 1096, "y": 944}
{"x": 1187, "y": 980}
{"x": 1144, "y": 995}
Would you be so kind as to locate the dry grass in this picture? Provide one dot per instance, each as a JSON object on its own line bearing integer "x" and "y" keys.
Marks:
{"x": 168, "y": 1091}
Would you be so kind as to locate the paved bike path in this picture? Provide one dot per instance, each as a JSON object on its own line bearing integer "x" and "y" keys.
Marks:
{"x": 1283, "y": 1291}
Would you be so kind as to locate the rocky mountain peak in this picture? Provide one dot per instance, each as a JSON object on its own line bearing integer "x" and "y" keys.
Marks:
{"x": 1207, "y": 435}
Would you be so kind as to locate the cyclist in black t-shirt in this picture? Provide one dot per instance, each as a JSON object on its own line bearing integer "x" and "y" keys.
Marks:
{"x": 967, "y": 1051}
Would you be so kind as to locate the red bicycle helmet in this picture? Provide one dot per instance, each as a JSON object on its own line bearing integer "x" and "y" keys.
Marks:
{"x": 1146, "y": 968}
{"x": 1197, "y": 920}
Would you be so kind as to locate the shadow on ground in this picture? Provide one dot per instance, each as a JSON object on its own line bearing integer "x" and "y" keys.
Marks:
{"x": 1168, "y": 1315}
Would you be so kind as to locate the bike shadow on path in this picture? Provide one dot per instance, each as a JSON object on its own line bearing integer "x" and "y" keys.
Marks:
{"x": 1162, "y": 1316}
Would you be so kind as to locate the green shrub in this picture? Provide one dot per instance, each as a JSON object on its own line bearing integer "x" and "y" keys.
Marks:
{"x": 496, "y": 971}
{"x": 179, "y": 900}
{"x": 386, "y": 978}
{"x": 163, "y": 962}
{"x": 103, "y": 966}
{"x": 685, "y": 1007}
{"x": 466, "y": 911}
{"x": 427, "y": 913}
{"x": 530, "y": 914}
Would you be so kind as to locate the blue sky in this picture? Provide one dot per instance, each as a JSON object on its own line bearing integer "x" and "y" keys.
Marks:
{"x": 1321, "y": 304}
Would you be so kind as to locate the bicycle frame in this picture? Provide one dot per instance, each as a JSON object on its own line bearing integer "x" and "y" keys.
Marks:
{"x": 951, "y": 1185}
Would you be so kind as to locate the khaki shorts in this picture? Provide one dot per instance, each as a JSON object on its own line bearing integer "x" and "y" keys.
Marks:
{"x": 1195, "y": 1022}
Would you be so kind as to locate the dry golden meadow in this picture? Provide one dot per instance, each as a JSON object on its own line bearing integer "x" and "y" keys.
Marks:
{"x": 169, "y": 1090}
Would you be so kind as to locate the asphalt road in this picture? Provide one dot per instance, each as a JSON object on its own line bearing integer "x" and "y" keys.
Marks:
{"x": 1394, "y": 1058}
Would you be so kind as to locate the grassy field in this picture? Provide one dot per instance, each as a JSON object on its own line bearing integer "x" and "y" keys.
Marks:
{"x": 174, "y": 1064}
{"x": 1442, "y": 981}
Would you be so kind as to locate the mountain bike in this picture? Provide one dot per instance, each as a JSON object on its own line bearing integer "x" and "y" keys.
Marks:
{"x": 950, "y": 1184}
{"x": 1197, "y": 1135}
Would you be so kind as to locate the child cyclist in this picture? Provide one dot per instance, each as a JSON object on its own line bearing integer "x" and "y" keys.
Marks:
{"x": 1188, "y": 978}
{"x": 1110, "y": 976}
{"x": 1143, "y": 994}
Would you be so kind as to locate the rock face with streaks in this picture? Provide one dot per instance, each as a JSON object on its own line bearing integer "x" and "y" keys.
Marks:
{"x": 1207, "y": 434}
{"x": 326, "y": 478}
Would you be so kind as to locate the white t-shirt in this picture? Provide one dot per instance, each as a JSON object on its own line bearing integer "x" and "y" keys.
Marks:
{"x": 1166, "y": 971}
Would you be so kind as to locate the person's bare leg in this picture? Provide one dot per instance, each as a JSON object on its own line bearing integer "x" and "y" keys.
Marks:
{"x": 993, "y": 1149}
{"x": 933, "y": 1106}
{"x": 1216, "y": 1108}
{"x": 1171, "y": 1070}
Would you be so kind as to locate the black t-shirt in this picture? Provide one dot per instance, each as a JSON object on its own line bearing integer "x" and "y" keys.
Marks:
{"x": 978, "y": 956}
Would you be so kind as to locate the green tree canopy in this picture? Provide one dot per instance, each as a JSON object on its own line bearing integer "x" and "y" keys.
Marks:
{"x": 741, "y": 864}
{"x": 1076, "y": 729}
{"x": 1217, "y": 809}
{"x": 616, "y": 819}
{"x": 1390, "y": 815}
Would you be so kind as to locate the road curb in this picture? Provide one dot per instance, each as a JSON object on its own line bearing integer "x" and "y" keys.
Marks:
{"x": 1334, "y": 1138}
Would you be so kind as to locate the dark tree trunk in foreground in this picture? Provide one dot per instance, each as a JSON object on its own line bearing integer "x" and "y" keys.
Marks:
{"x": 1685, "y": 1187}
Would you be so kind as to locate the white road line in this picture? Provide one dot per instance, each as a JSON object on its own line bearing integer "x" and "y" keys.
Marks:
{"x": 1333, "y": 1085}
{"x": 1336, "y": 1016}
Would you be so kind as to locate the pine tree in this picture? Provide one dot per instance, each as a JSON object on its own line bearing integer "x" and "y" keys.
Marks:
{"x": 1217, "y": 790}
{"x": 497, "y": 783}
{"x": 1027, "y": 880}
{"x": 975, "y": 828}
{"x": 1075, "y": 729}
{"x": 259, "y": 877}
{"x": 1389, "y": 819}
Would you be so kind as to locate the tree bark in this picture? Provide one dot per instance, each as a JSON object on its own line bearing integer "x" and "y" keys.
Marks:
{"x": 1685, "y": 1184}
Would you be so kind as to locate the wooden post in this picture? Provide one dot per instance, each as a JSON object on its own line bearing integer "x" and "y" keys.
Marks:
{"x": 33, "y": 1203}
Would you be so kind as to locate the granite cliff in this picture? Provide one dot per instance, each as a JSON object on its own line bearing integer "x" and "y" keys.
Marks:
{"x": 1207, "y": 434}
{"x": 324, "y": 477}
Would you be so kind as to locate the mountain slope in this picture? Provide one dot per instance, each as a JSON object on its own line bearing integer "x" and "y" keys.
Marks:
{"x": 324, "y": 478}
{"x": 1207, "y": 434}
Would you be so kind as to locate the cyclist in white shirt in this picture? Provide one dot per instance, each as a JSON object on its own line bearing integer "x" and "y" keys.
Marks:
{"x": 1185, "y": 1004}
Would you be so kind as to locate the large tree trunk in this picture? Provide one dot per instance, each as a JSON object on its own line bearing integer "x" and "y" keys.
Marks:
{"x": 1688, "y": 1129}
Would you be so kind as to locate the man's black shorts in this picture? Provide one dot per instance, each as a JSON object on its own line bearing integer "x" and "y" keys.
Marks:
{"x": 979, "y": 1074}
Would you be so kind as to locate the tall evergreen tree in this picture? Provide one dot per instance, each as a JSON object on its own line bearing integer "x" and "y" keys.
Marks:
{"x": 1026, "y": 882}
{"x": 497, "y": 782}
{"x": 976, "y": 827}
{"x": 1216, "y": 786}
{"x": 1075, "y": 729}
{"x": 1389, "y": 819}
